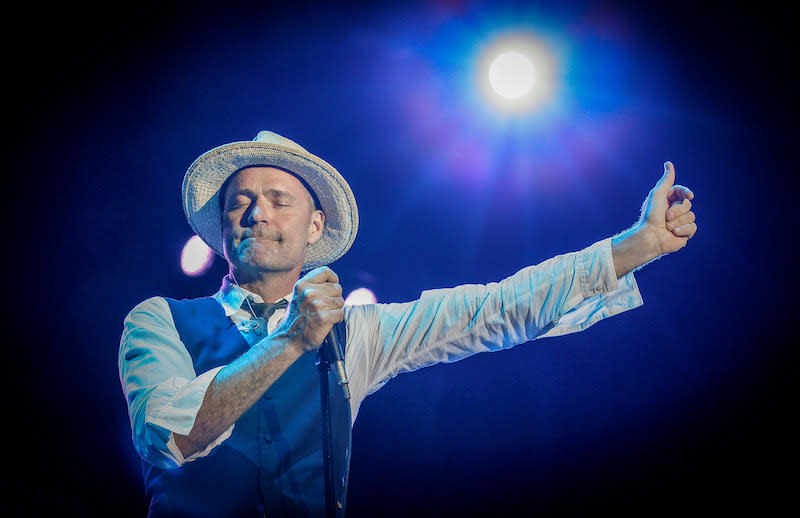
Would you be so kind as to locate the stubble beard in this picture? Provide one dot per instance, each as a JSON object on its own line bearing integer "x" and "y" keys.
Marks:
{"x": 255, "y": 258}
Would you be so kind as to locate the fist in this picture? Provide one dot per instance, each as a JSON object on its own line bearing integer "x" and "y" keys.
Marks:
{"x": 317, "y": 305}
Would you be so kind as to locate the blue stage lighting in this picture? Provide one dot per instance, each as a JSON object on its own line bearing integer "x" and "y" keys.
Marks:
{"x": 196, "y": 257}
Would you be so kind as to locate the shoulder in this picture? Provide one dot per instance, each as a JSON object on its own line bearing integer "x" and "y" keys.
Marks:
{"x": 151, "y": 324}
{"x": 154, "y": 308}
{"x": 157, "y": 315}
{"x": 160, "y": 307}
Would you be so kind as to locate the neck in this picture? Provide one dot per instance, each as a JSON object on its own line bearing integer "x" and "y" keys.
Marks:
{"x": 270, "y": 286}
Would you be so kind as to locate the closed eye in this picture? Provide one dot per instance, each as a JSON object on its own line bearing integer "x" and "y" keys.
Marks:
{"x": 238, "y": 202}
{"x": 280, "y": 198}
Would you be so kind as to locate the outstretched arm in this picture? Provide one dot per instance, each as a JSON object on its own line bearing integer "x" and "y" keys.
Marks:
{"x": 564, "y": 294}
{"x": 665, "y": 225}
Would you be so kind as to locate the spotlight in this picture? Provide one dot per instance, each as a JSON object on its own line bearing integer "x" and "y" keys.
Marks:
{"x": 511, "y": 75}
{"x": 196, "y": 257}
{"x": 516, "y": 73}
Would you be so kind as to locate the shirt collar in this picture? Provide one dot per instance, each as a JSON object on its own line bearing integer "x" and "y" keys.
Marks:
{"x": 231, "y": 296}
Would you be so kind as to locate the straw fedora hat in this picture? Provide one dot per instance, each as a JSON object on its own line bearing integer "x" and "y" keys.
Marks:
{"x": 204, "y": 178}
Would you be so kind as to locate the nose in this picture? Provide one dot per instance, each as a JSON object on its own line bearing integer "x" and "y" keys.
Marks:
{"x": 258, "y": 213}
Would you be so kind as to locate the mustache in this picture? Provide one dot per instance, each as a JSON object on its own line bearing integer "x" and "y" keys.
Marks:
{"x": 261, "y": 232}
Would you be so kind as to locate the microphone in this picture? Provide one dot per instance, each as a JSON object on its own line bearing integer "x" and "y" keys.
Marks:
{"x": 335, "y": 355}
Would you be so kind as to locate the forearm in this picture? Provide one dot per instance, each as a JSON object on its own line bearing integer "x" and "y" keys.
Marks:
{"x": 236, "y": 388}
{"x": 633, "y": 249}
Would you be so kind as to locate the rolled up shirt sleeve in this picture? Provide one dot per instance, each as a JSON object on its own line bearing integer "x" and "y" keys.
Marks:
{"x": 163, "y": 391}
{"x": 565, "y": 294}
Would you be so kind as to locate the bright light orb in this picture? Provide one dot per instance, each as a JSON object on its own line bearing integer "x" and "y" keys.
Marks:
{"x": 196, "y": 257}
{"x": 360, "y": 296}
{"x": 516, "y": 72}
{"x": 512, "y": 75}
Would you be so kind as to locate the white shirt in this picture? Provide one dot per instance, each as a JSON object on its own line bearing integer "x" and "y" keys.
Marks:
{"x": 565, "y": 294}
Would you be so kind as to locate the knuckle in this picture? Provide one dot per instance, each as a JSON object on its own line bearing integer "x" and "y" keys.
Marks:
{"x": 315, "y": 273}
{"x": 326, "y": 320}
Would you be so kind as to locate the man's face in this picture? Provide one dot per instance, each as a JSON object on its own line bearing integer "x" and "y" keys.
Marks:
{"x": 268, "y": 219}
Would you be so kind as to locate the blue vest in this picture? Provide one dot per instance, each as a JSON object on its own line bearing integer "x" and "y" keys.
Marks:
{"x": 272, "y": 465}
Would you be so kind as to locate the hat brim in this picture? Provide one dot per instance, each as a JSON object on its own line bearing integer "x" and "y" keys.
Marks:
{"x": 204, "y": 178}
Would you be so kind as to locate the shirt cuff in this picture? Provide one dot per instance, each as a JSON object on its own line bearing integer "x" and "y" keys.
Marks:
{"x": 172, "y": 408}
{"x": 177, "y": 457}
{"x": 596, "y": 269}
{"x": 604, "y": 294}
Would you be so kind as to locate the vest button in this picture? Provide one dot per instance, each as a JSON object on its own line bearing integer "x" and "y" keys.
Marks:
{"x": 267, "y": 438}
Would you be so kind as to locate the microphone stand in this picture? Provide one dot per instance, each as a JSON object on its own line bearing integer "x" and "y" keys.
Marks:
{"x": 331, "y": 357}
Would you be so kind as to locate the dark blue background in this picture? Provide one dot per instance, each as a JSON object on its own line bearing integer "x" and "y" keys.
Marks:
{"x": 683, "y": 404}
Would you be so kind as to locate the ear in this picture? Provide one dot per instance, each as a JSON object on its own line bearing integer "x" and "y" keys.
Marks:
{"x": 315, "y": 226}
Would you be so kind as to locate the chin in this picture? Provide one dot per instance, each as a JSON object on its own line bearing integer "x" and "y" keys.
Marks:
{"x": 264, "y": 262}
{"x": 253, "y": 255}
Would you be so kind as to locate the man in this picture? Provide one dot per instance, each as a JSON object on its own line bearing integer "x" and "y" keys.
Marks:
{"x": 224, "y": 396}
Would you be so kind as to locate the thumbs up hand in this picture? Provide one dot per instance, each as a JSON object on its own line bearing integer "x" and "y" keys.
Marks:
{"x": 665, "y": 225}
{"x": 666, "y": 213}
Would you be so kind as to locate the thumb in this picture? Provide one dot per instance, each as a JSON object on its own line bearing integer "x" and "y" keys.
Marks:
{"x": 667, "y": 180}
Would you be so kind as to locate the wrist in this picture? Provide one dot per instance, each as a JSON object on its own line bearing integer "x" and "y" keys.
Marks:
{"x": 633, "y": 249}
{"x": 291, "y": 342}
